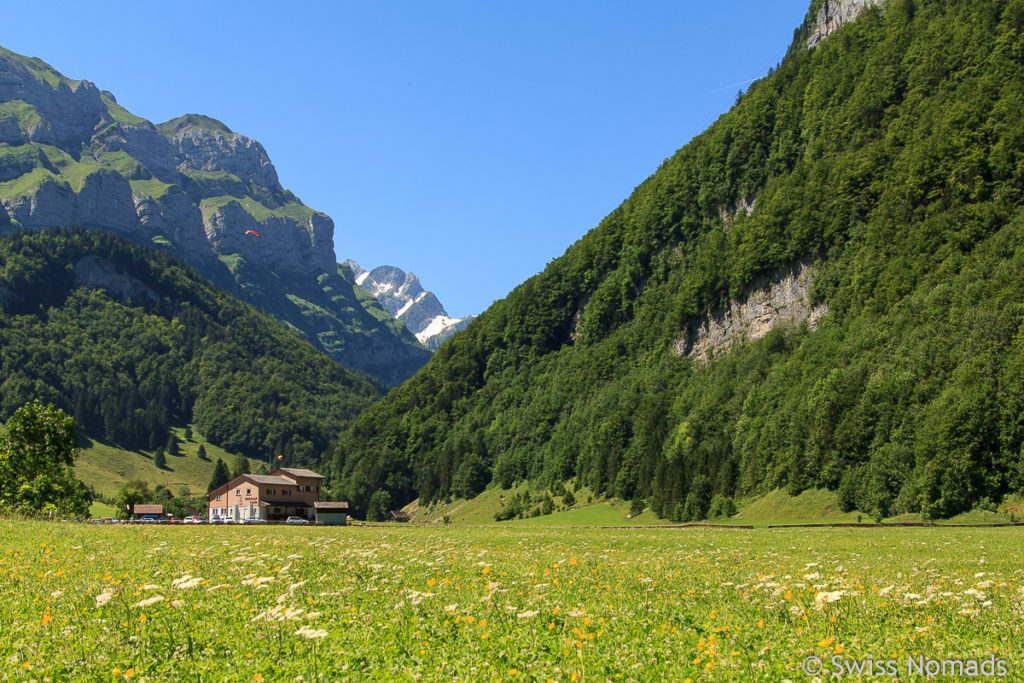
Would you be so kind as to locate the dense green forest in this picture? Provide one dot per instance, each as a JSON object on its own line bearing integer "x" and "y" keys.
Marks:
{"x": 891, "y": 157}
{"x": 130, "y": 341}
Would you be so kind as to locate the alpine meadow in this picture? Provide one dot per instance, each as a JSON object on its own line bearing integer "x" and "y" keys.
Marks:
{"x": 747, "y": 428}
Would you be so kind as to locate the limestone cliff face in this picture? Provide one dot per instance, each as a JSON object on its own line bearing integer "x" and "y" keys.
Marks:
{"x": 782, "y": 298}
{"x": 73, "y": 109}
{"x": 200, "y": 149}
{"x": 191, "y": 185}
{"x": 835, "y": 13}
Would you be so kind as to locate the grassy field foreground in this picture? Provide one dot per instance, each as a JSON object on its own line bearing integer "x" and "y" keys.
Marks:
{"x": 91, "y": 602}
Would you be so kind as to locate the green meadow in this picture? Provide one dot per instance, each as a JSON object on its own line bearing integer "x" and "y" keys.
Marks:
{"x": 514, "y": 603}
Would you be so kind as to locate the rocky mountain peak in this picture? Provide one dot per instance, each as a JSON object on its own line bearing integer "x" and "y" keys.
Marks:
{"x": 205, "y": 144}
{"x": 403, "y": 296}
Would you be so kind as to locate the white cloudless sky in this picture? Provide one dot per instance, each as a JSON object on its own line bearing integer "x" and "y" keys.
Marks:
{"x": 470, "y": 142}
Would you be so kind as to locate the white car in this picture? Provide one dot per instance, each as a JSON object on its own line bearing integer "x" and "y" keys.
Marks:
{"x": 296, "y": 520}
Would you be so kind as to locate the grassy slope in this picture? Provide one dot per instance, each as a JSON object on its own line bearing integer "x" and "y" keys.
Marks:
{"x": 481, "y": 510}
{"x": 105, "y": 466}
{"x": 776, "y": 507}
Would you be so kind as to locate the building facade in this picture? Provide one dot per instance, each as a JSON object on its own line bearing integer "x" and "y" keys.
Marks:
{"x": 285, "y": 492}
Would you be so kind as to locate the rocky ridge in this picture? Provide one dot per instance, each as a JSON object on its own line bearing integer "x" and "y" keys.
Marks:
{"x": 71, "y": 155}
{"x": 835, "y": 13}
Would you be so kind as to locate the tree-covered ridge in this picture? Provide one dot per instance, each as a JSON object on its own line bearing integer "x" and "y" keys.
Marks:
{"x": 891, "y": 156}
{"x": 130, "y": 341}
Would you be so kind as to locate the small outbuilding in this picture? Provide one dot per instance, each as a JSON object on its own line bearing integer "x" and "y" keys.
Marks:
{"x": 331, "y": 512}
{"x": 398, "y": 516}
{"x": 147, "y": 510}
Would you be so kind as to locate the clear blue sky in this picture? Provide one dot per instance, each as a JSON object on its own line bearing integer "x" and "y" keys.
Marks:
{"x": 470, "y": 142}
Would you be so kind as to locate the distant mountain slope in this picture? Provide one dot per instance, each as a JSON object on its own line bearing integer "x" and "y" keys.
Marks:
{"x": 404, "y": 297}
{"x": 823, "y": 289}
{"x": 70, "y": 155}
{"x": 131, "y": 341}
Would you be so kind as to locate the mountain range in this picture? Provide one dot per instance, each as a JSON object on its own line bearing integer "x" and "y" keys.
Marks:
{"x": 404, "y": 297}
{"x": 824, "y": 289}
{"x": 70, "y": 155}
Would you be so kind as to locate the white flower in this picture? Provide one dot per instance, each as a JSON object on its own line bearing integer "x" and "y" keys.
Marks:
{"x": 104, "y": 597}
{"x": 527, "y": 614}
{"x": 824, "y": 598}
{"x": 149, "y": 601}
{"x": 311, "y": 633}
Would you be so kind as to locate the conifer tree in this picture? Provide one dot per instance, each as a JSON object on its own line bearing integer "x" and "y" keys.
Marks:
{"x": 221, "y": 476}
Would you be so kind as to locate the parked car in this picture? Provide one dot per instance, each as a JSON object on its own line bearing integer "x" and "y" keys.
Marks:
{"x": 216, "y": 519}
{"x": 255, "y": 520}
{"x": 194, "y": 519}
{"x": 296, "y": 520}
{"x": 103, "y": 520}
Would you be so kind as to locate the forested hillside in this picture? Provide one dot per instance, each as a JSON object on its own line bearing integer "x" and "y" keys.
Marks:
{"x": 131, "y": 341}
{"x": 889, "y": 159}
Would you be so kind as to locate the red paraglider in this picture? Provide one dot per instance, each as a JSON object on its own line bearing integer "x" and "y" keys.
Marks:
{"x": 253, "y": 232}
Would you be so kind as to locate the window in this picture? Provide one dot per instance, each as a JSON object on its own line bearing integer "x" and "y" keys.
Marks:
{"x": 218, "y": 497}
{"x": 238, "y": 493}
{"x": 270, "y": 492}
{"x": 248, "y": 492}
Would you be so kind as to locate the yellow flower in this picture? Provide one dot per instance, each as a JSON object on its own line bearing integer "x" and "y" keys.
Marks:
{"x": 115, "y": 672}
{"x": 130, "y": 673}
{"x": 431, "y": 582}
{"x": 485, "y": 636}
{"x": 487, "y": 570}
{"x": 839, "y": 649}
{"x": 826, "y": 642}
{"x": 789, "y": 595}
{"x": 760, "y": 623}
{"x": 257, "y": 677}
{"x": 47, "y": 618}
{"x": 142, "y": 618}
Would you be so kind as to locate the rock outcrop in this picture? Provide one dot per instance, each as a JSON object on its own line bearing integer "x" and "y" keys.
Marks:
{"x": 835, "y": 13}
{"x": 782, "y": 298}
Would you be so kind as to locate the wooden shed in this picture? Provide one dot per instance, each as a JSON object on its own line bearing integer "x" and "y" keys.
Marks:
{"x": 333, "y": 513}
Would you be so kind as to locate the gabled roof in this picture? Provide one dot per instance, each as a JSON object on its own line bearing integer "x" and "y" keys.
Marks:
{"x": 298, "y": 472}
{"x": 147, "y": 509}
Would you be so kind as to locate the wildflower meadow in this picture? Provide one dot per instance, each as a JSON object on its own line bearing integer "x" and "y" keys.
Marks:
{"x": 156, "y": 603}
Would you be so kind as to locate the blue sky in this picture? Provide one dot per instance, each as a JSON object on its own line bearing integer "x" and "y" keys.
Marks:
{"x": 468, "y": 142}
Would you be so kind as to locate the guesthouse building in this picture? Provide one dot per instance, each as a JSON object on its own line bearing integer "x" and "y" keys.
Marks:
{"x": 282, "y": 493}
